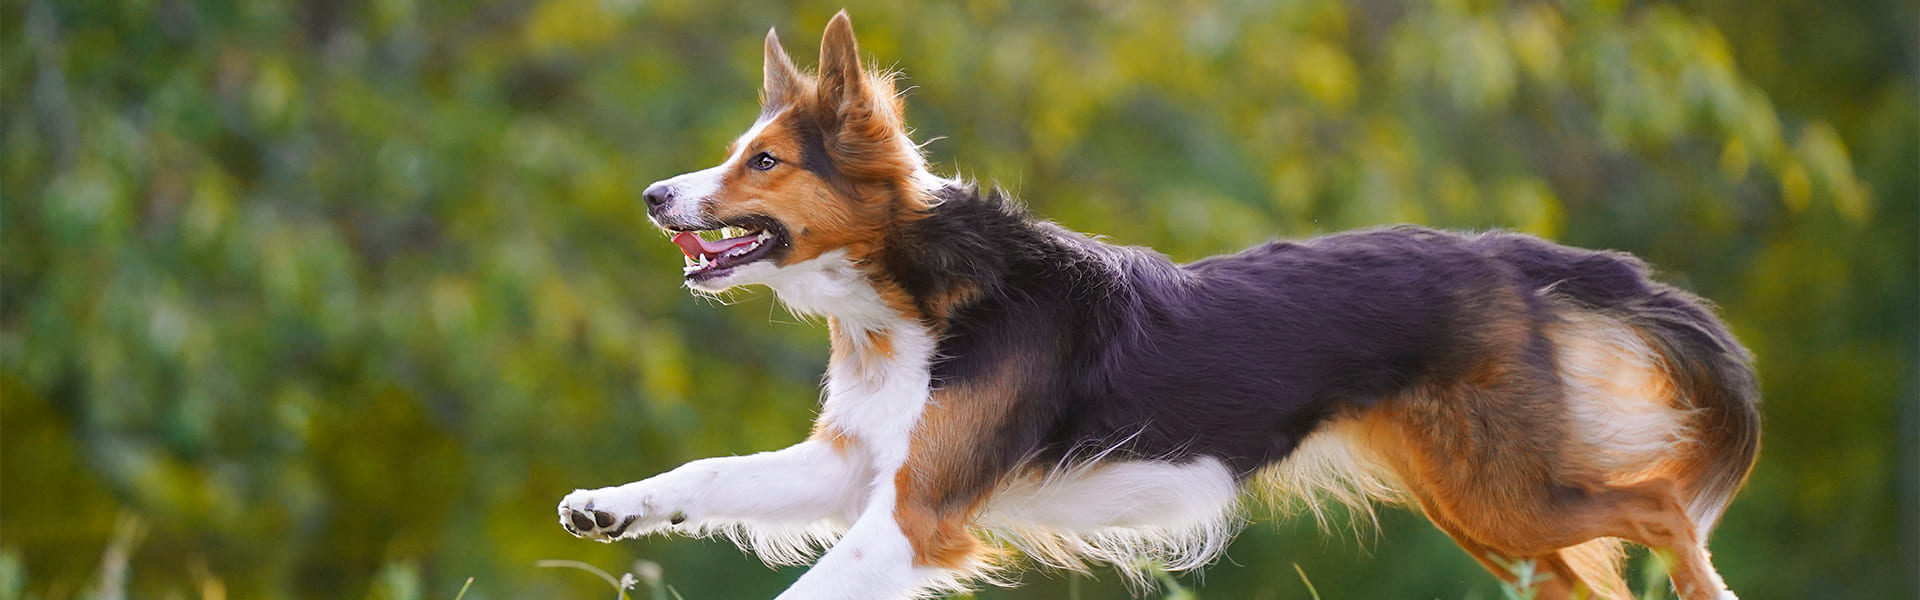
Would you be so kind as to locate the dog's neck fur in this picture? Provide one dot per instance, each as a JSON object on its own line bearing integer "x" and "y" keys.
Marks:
{"x": 966, "y": 243}
{"x": 969, "y": 245}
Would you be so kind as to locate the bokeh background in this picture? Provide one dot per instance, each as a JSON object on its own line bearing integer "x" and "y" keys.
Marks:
{"x": 336, "y": 298}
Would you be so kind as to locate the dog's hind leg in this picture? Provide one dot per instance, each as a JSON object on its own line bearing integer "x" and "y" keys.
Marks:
{"x": 1481, "y": 461}
{"x": 1598, "y": 563}
{"x": 1556, "y": 576}
{"x": 1650, "y": 513}
{"x": 1554, "y": 532}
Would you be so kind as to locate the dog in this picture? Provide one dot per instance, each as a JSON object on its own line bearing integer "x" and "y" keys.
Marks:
{"x": 998, "y": 382}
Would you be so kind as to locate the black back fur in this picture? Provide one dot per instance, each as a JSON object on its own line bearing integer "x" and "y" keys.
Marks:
{"x": 1239, "y": 356}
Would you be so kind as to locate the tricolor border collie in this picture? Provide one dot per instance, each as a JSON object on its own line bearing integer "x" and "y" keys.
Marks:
{"x": 999, "y": 382}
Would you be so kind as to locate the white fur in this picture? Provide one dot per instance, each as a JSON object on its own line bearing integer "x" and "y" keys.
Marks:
{"x": 1620, "y": 397}
{"x": 828, "y": 284}
{"x": 690, "y": 193}
{"x": 1331, "y": 466}
{"x": 874, "y": 561}
{"x": 1131, "y": 514}
{"x": 818, "y": 495}
{"x": 878, "y": 408}
{"x": 745, "y": 140}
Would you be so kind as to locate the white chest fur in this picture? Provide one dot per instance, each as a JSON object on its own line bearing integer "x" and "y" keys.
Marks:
{"x": 878, "y": 385}
{"x": 876, "y": 388}
{"x": 877, "y": 391}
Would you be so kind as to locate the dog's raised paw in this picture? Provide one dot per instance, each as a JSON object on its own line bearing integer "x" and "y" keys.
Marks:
{"x": 600, "y": 514}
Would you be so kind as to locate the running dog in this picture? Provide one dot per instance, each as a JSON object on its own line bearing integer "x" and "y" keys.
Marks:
{"x": 999, "y": 382}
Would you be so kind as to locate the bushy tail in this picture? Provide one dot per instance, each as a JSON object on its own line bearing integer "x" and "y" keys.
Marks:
{"x": 1714, "y": 370}
{"x": 1717, "y": 375}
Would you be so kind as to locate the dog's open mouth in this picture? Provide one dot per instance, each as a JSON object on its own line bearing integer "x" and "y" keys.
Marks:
{"x": 711, "y": 253}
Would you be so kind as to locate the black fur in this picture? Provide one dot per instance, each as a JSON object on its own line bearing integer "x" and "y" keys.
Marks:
{"x": 1239, "y": 356}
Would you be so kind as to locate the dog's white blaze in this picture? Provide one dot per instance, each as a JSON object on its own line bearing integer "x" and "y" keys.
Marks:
{"x": 740, "y": 144}
{"x": 1181, "y": 514}
{"x": 692, "y": 191}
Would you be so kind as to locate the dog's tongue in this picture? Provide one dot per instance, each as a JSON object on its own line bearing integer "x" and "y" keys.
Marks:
{"x": 691, "y": 244}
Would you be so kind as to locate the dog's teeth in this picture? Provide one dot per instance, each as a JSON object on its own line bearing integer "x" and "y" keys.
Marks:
{"x": 739, "y": 250}
{"x": 764, "y": 236}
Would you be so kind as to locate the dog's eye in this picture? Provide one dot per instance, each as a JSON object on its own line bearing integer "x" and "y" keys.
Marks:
{"x": 762, "y": 161}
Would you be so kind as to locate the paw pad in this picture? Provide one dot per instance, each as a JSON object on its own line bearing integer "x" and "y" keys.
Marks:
{"x": 581, "y": 518}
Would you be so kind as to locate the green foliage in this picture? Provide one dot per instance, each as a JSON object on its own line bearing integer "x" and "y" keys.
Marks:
{"x": 1525, "y": 583}
{"x": 341, "y": 297}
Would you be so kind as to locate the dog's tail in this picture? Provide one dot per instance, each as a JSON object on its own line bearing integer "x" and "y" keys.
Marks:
{"x": 1717, "y": 376}
{"x": 1713, "y": 373}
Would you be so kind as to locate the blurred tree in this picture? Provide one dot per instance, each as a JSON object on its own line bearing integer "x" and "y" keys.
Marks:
{"x": 340, "y": 297}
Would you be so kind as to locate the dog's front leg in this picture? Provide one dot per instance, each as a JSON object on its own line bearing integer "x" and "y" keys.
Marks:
{"x": 913, "y": 534}
{"x": 796, "y": 486}
{"x": 875, "y": 560}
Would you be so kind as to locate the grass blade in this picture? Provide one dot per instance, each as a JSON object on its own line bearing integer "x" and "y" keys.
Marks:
{"x": 1303, "y": 579}
{"x": 574, "y": 564}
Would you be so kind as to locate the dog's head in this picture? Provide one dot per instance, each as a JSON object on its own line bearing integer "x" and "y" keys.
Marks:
{"x": 826, "y": 167}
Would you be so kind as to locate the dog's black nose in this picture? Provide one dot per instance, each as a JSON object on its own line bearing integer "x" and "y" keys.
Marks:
{"x": 657, "y": 195}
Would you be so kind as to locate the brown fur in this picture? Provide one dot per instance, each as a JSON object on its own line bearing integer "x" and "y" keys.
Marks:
{"x": 1596, "y": 563}
{"x": 1487, "y": 458}
{"x": 835, "y": 438}
{"x": 937, "y": 309}
{"x": 939, "y": 537}
{"x": 943, "y": 482}
{"x": 867, "y": 351}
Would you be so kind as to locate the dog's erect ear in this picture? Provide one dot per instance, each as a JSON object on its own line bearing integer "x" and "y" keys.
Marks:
{"x": 860, "y": 115}
{"x": 842, "y": 83}
{"x": 782, "y": 83}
